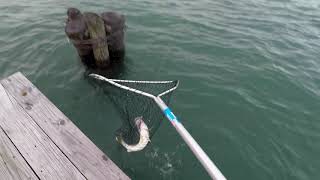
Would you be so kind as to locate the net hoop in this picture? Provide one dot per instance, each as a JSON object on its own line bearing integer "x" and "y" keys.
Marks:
{"x": 114, "y": 82}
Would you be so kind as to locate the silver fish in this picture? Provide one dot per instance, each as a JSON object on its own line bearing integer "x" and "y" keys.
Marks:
{"x": 144, "y": 137}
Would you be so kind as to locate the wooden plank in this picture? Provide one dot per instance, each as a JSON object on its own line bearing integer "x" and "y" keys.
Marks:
{"x": 44, "y": 157}
{"x": 84, "y": 154}
{"x": 12, "y": 164}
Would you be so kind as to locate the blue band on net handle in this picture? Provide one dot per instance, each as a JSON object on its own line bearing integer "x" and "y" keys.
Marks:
{"x": 170, "y": 115}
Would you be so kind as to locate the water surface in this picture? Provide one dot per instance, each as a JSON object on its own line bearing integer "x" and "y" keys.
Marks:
{"x": 249, "y": 73}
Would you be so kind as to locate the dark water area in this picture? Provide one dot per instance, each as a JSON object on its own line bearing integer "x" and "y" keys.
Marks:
{"x": 249, "y": 76}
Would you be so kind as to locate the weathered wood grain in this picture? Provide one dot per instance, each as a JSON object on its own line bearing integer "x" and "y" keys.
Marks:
{"x": 83, "y": 153}
{"x": 12, "y": 164}
{"x": 43, "y": 156}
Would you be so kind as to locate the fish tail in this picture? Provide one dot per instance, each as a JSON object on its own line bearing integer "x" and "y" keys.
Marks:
{"x": 119, "y": 139}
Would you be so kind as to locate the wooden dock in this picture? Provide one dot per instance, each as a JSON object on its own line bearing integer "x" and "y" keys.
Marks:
{"x": 37, "y": 141}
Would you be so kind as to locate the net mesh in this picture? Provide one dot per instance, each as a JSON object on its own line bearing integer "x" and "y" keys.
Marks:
{"x": 131, "y": 104}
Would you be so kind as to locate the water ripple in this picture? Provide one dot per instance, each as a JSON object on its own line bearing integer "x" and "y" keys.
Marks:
{"x": 249, "y": 72}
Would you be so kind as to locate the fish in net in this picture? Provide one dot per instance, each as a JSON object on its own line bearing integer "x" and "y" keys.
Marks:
{"x": 133, "y": 101}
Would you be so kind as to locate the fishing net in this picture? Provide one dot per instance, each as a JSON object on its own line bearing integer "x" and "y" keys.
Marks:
{"x": 132, "y": 100}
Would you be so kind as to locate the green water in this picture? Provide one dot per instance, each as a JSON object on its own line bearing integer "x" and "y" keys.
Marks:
{"x": 249, "y": 73}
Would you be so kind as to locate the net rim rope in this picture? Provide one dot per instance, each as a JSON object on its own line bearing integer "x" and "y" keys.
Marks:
{"x": 114, "y": 82}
